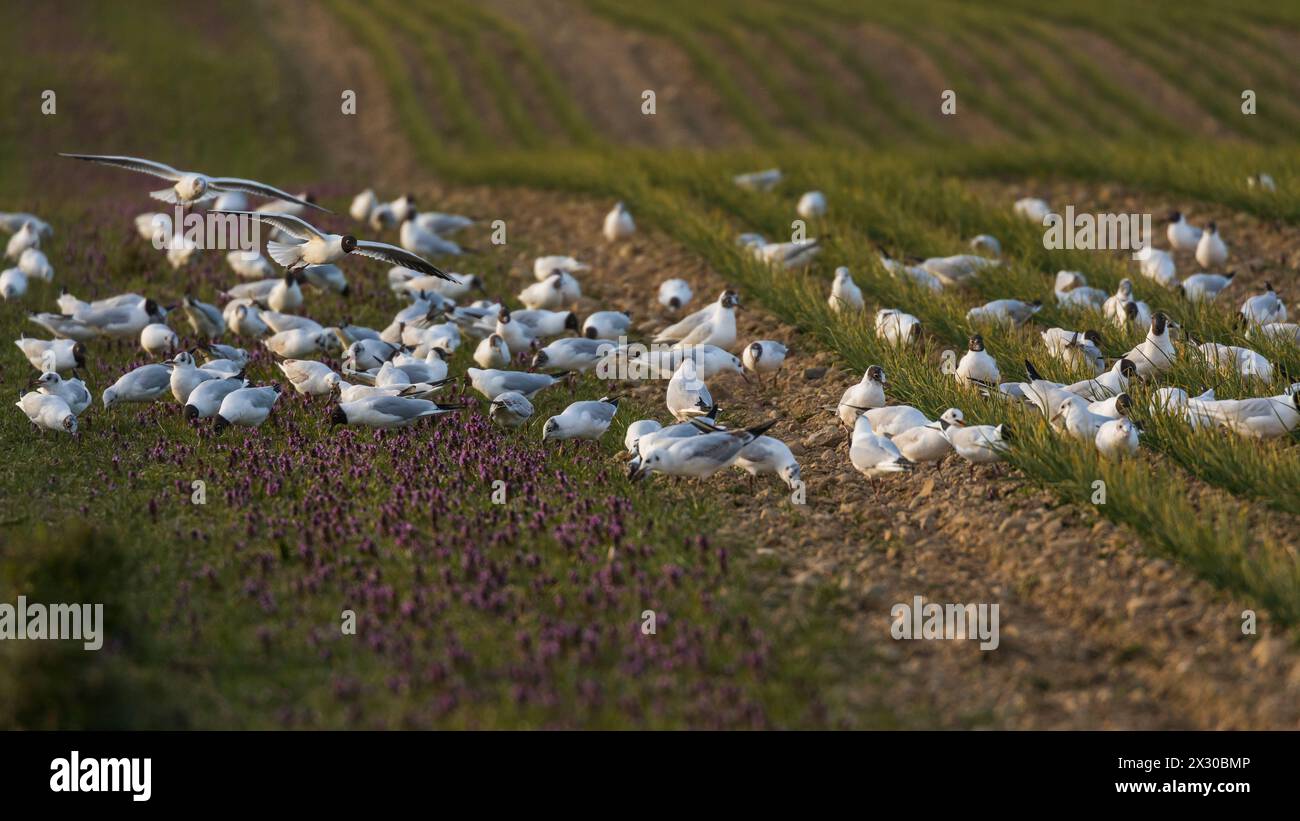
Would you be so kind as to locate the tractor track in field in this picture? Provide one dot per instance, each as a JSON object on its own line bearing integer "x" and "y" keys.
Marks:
{"x": 1095, "y": 631}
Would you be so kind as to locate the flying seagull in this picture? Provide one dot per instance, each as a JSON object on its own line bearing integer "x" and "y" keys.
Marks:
{"x": 191, "y": 187}
{"x": 315, "y": 247}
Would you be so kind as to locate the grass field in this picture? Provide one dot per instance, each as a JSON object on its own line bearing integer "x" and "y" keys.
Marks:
{"x": 474, "y": 614}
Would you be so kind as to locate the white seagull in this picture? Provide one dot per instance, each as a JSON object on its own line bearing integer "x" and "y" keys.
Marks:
{"x": 191, "y": 187}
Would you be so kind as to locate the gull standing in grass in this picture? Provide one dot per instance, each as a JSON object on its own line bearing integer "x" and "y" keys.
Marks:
{"x": 1156, "y": 353}
{"x": 928, "y": 443}
{"x": 246, "y": 407}
{"x": 1260, "y": 417}
{"x": 845, "y": 293}
{"x": 897, "y": 328}
{"x": 1204, "y": 287}
{"x": 511, "y": 409}
{"x": 1157, "y": 265}
{"x": 387, "y": 411}
{"x": 978, "y": 444}
{"x": 48, "y": 412}
{"x": 27, "y": 237}
{"x": 13, "y": 284}
{"x": 812, "y": 205}
{"x": 72, "y": 391}
{"x": 977, "y": 365}
{"x": 544, "y": 267}
{"x": 576, "y": 353}
{"x": 868, "y": 393}
{"x": 1117, "y": 438}
{"x": 158, "y": 339}
{"x": 144, "y": 384}
{"x": 492, "y": 383}
{"x": 582, "y": 420}
{"x": 191, "y": 187}
{"x": 1006, "y": 311}
{"x": 206, "y": 398}
{"x": 492, "y": 352}
{"x": 607, "y": 325}
{"x": 557, "y": 290}
{"x": 185, "y": 376}
{"x": 1264, "y": 309}
{"x": 67, "y": 353}
{"x": 308, "y": 377}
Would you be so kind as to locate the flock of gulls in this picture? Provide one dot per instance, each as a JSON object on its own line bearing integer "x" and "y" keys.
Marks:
{"x": 392, "y": 377}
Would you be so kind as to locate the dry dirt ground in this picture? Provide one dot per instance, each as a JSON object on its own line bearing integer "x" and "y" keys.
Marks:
{"x": 1095, "y": 632}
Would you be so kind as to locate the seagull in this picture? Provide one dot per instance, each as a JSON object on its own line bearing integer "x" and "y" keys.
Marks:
{"x": 1117, "y": 438}
{"x": 897, "y": 327}
{"x": 297, "y": 343}
{"x": 653, "y": 436}
{"x": 543, "y": 323}
{"x": 144, "y": 384}
{"x": 1157, "y": 265}
{"x": 718, "y": 327}
{"x": 492, "y": 383}
{"x": 27, "y": 237}
{"x": 67, "y": 353}
{"x": 1211, "y": 251}
{"x": 986, "y": 243}
{"x": 544, "y": 267}
{"x": 328, "y": 279}
{"x": 1032, "y": 209}
{"x": 687, "y": 395}
{"x": 206, "y": 319}
{"x": 872, "y": 454}
{"x": 977, "y": 365}
{"x": 420, "y": 240}
{"x": 246, "y": 407}
{"x": 1156, "y": 353}
{"x": 35, "y": 265}
{"x": 492, "y": 352}
{"x": 1072, "y": 291}
{"x": 72, "y": 391}
{"x": 1183, "y": 236}
{"x": 13, "y": 284}
{"x": 764, "y": 356}
{"x": 244, "y": 319}
{"x": 845, "y": 293}
{"x": 191, "y": 187}
{"x": 916, "y": 273}
{"x": 250, "y": 264}
{"x": 557, "y": 290}
{"x": 518, "y": 336}
{"x": 363, "y": 205}
{"x": 1236, "y": 359}
{"x": 700, "y": 456}
{"x": 636, "y": 430}
{"x": 1116, "y": 308}
{"x": 308, "y": 377}
{"x": 65, "y": 326}
{"x": 185, "y": 377}
{"x": 1260, "y": 417}
{"x": 315, "y": 247}
{"x": 811, "y": 205}
{"x": 1204, "y": 287}
{"x": 892, "y": 420}
{"x": 48, "y": 412}
{"x": 122, "y": 319}
{"x": 767, "y": 455}
{"x": 790, "y": 255}
{"x": 582, "y": 420}
{"x": 618, "y": 224}
{"x": 157, "y": 339}
{"x": 764, "y": 180}
{"x": 573, "y": 354}
{"x": 387, "y": 411}
{"x": 12, "y": 223}
{"x": 958, "y": 269}
{"x": 369, "y": 354}
{"x": 674, "y": 294}
{"x": 979, "y": 444}
{"x": 607, "y": 325}
{"x": 1111, "y": 383}
{"x": 1265, "y": 308}
{"x": 1073, "y": 416}
{"x": 868, "y": 393}
{"x": 928, "y": 443}
{"x": 206, "y": 398}
{"x": 1007, "y": 311}
{"x": 511, "y": 409}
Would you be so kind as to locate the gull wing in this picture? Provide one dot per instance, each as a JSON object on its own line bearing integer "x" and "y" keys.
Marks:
{"x": 288, "y": 223}
{"x": 260, "y": 189}
{"x": 150, "y": 167}
{"x": 399, "y": 256}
